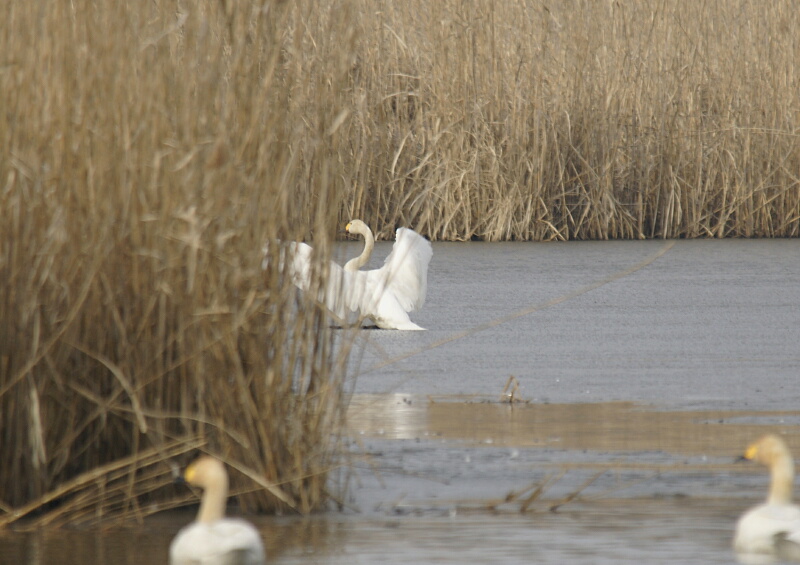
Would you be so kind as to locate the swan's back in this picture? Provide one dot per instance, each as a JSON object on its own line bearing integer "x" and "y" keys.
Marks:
{"x": 405, "y": 271}
{"x": 224, "y": 542}
{"x": 763, "y": 528}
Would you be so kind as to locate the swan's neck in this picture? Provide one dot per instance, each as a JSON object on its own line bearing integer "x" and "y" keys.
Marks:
{"x": 358, "y": 262}
{"x": 782, "y": 473}
{"x": 212, "y": 504}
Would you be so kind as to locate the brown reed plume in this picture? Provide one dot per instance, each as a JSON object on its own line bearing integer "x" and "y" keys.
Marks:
{"x": 148, "y": 151}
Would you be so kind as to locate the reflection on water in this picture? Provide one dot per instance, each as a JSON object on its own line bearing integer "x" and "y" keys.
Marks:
{"x": 437, "y": 467}
{"x": 657, "y": 531}
{"x": 641, "y": 533}
{"x": 73, "y": 547}
{"x": 608, "y": 426}
{"x": 393, "y": 415}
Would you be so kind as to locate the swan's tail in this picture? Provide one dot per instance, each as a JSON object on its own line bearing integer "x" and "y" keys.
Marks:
{"x": 408, "y": 326}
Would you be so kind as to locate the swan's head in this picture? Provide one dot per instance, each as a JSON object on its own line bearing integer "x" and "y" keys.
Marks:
{"x": 767, "y": 450}
{"x": 356, "y": 227}
{"x": 206, "y": 471}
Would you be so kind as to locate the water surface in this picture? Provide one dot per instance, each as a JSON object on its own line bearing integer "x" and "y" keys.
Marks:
{"x": 642, "y": 369}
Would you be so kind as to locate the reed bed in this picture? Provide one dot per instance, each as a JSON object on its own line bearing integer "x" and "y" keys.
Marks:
{"x": 149, "y": 149}
{"x": 519, "y": 120}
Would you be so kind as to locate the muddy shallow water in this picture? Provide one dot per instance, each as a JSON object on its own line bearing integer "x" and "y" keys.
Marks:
{"x": 640, "y": 370}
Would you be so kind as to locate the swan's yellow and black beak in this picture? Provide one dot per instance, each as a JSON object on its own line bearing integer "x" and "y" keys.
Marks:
{"x": 749, "y": 454}
{"x": 185, "y": 477}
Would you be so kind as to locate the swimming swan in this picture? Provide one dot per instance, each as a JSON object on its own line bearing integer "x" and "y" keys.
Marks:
{"x": 213, "y": 539}
{"x": 772, "y": 528}
{"x": 385, "y": 295}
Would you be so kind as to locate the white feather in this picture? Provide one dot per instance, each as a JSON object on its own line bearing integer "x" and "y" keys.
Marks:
{"x": 405, "y": 271}
{"x": 385, "y": 295}
{"x": 229, "y": 541}
{"x": 772, "y": 529}
{"x": 214, "y": 539}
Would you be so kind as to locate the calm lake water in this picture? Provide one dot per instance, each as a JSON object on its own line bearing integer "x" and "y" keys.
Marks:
{"x": 621, "y": 379}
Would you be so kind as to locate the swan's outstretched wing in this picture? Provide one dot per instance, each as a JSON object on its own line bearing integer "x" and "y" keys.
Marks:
{"x": 367, "y": 293}
{"x": 338, "y": 296}
{"x": 405, "y": 271}
{"x": 385, "y": 295}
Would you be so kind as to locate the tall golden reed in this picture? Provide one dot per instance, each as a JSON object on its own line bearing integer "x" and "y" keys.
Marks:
{"x": 149, "y": 149}
{"x": 594, "y": 119}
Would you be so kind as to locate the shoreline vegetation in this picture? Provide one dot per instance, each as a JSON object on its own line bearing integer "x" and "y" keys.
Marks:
{"x": 576, "y": 120}
{"x": 148, "y": 150}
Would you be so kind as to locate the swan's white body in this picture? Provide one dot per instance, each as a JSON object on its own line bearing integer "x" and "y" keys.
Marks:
{"x": 384, "y": 295}
{"x": 771, "y": 529}
{"x": 227, "y": 542}
{"x": 214, "y": 539}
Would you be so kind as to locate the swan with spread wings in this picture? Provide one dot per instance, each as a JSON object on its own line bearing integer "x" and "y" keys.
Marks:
{"x": 385, "y": 295}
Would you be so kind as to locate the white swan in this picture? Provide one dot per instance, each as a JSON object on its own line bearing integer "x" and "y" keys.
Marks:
{"x": 358, "y": 227}
{"x": 385, "y": 295}
{"x": 213, "y": 539}
{"x": 771, "y": 529}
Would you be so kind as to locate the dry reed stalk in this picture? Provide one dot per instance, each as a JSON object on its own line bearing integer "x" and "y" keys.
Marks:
{"x": 576, "y": 120}
{"x": 148, "y": 151}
